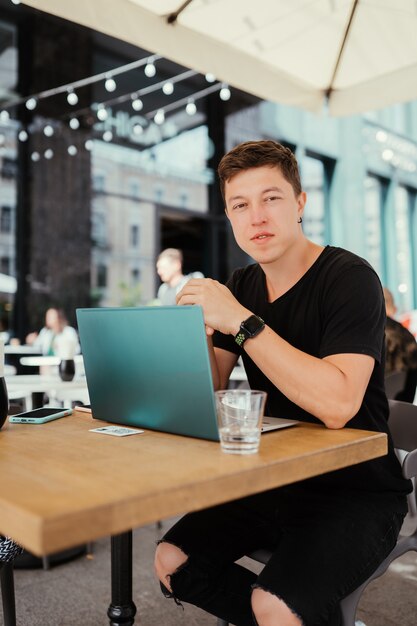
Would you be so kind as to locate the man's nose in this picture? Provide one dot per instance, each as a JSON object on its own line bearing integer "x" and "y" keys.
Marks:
{"x": 258, "y": 214}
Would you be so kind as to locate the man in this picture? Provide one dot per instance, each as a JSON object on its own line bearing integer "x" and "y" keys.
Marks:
{"x": 401, "y": 350}
{"x": 297, "y": 318}
{"x": 169, "y": 270}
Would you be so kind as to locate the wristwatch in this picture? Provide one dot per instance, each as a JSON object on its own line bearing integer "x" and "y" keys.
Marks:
{"x": 249, "y": 328}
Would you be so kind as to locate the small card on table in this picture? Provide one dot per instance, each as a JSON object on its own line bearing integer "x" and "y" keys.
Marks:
{"x": 116, "y": 431}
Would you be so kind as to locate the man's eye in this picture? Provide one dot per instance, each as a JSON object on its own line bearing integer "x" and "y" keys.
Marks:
{"x": 272, "y": 198}
{"x": 239, "y": 207}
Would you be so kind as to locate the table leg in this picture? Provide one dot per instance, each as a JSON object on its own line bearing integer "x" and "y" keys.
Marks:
{"x": 122, "y": 609}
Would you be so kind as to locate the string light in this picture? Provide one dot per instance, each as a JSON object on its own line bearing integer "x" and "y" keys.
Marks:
{"x": 210, "y": 78}
{"x": 89, "y": 144}
{"x": 16, "y": 2}
{"x": 74, "y": 123}
{"x": 72, "y": 150}
{"x": 72, "y": 97}
{"x": 225, "y": 93}
{"x": 137, "y": 103}
{"x": 48, "y": 131}
{"x": 159, "y": 117}
{"x": 23, "y": 136}
{"x": 191, "y": 108}
{"x": 31, "y": 104}
{"x": 102, "y": 113}
{"x": 4, "y": 116}
{"x": 137, "y": 129}
{"x": 110, "y": 84}
{"x": 150, "y": 69}
{"x": 168, "y": 88}
{"x": 48, "y": 154}
{"x": 107, "y": 135}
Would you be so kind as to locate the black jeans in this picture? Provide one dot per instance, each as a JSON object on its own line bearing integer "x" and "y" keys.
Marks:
{"x": 325, "y": 544}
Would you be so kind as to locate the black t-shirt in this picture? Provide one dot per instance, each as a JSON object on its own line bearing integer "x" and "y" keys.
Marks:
{"x": 336, "y": 307}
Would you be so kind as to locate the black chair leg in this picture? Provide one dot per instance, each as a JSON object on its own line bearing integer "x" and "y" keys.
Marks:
{"x": 7, "y": 592}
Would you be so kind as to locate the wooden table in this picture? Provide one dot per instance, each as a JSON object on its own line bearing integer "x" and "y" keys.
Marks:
{"x": 63, "y": 485}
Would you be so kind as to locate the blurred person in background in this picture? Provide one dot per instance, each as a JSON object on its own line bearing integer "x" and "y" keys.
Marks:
{"x": 401, "y": 350}
{"x": 56, "y": 338}
{"x": 169, "y": 270}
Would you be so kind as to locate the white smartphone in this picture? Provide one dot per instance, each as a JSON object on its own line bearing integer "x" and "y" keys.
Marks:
{"x": 39, "y": 416}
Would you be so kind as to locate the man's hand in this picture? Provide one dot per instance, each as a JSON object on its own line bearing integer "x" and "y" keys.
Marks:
{"x": 221, "y": 309}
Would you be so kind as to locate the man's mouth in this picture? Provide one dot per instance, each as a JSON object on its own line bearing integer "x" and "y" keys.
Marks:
{"x": 261, "y": 236}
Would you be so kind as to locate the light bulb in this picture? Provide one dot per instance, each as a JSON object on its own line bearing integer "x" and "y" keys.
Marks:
{"x": 102, "y": 113}
{"x": 159, "y": 117}
{"x": 107, "y": 135}
{"x": 168, "y": 88}
{"x": 72, "y": 98}
{"x": 74, "y": 123}
{"x": 191, "y": 108}
{"x": 48, "y": 154}
{"x": 210, "y": 78}
{"x": 72, "y": 150}
{"x": 225, "y": 93}
{"x": 137, "y": 104}
{"x": 48, "y": 131}
{"x": 23, "y": 136}
{"x": 35, "y": 156}
{"x": 110, "y": 84}
{"x": 16, "y": 1}
{"x": 4, "y": 116}
{"x": 31, "y": 104}
{"x": 89, "y": 144}
{"x": 137, "y": 129}
{"x": 150, "y": 69}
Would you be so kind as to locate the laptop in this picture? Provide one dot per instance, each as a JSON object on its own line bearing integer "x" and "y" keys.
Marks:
{"x": 149, "y": 367}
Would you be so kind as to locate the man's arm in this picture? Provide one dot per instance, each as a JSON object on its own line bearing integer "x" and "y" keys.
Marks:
{"x": 222, "y": 363}
{"x": 331, "y": 389}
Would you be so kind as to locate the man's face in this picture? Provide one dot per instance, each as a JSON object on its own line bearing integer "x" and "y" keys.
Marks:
{"x": 167, "y": 268}
{"x": 263, "y": 211}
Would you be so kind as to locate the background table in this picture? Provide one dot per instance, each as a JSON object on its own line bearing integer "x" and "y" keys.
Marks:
{"x": 67, "y": 486}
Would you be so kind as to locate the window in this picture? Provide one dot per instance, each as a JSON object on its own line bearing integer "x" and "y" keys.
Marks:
{"x": 403, "y": 248}
{"x": 6, "y": 219}
{"x": 159, "y": 194}
{"x": 99, "y": 182}
{"x": 313, "y": 177}
{"x": 5, "y": 265}
{"x": 134, "y": 235}
{"x": 135, "y": 275}
{"x": 373, "y": 223}
{"x": 9, "y": 168}
{"x": 134, "y": 188}
{"x": 101, "y": 276}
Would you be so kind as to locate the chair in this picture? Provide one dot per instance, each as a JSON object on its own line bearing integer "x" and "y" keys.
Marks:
{"x": 403, "y": 427}
{"x": 394, "y": 384}
{"x": 401, "y": 385}
{"x": 9, "y": 550}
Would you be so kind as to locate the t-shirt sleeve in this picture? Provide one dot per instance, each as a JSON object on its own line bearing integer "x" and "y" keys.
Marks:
{"x": 354, "y": 314}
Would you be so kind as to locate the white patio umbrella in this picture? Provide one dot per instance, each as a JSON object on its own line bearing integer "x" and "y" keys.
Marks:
{"x": 353, "y": 55}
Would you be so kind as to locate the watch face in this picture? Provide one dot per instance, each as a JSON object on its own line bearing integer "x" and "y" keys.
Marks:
{"x": 253, "y": 324}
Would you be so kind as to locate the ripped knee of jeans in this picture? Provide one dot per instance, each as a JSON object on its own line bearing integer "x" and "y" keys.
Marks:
{"x": 190, "y": 582}
{"x": 276, "y": 595}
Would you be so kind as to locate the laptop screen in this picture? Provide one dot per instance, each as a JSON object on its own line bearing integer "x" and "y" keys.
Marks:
{"x": 149, "y": 367}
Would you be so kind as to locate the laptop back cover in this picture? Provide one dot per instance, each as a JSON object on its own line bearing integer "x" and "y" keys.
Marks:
{"x": 149, "y": 367}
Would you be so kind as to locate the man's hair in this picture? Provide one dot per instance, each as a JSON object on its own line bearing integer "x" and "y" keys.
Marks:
{"x": 257, "y": 154}
{"x": 171, "y": 253}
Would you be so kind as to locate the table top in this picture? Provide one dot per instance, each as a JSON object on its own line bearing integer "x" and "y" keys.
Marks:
{"x": 39, "y": 382}
{"x": 62, "y": 485}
